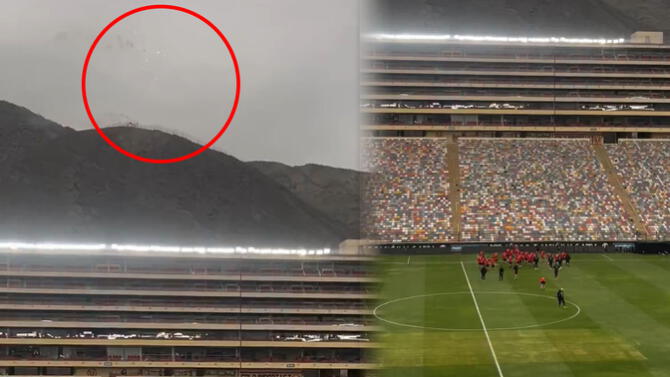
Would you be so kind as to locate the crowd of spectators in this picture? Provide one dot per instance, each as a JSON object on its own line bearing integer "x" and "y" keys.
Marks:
{"x": 644, "y": 167}
{"x": 406, "y": 195}
{"x": 534, "y": 190}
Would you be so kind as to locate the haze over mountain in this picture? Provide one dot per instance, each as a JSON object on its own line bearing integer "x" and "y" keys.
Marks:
{"x": 66, "y": 185}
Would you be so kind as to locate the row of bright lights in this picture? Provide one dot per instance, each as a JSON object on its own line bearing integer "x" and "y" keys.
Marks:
{"x": 474, "y": 38}
{"x": 157, "y": 248}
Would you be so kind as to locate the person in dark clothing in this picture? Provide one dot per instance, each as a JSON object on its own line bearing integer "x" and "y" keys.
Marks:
{"x": 567, "y": 258}
{"x": 501, "y": 271}
{"x": 560, "y": 295}
{"x": 557, "y": 267}
{"x": 483, "y": 272}
{"x": 536, "y": 260}
{"x": 550, "y": 259}
{"x": 516, "y": 270}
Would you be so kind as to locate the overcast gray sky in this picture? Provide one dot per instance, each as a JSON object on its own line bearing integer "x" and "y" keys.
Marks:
{"x": 298, "y": 60}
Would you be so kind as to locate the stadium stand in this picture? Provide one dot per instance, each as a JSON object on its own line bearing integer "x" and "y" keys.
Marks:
{"x": 527, "y": 121}
{"x": 537, "y": 190}
{"x": 102, "y": 313}
{"x": 644, "y": 167}
{"x": 510, "y": 189}
{"x": 407, "y": 196}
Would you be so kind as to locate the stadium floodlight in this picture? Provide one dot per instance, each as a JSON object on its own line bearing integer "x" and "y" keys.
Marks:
{"x": 145, "y": 248}
{"x": 489, "y": 38}
{"x": 158, "y": 248}
{"x": 199, "y": 250}
{"x": 50, "y": 246}
{"x": 221, "y": 250}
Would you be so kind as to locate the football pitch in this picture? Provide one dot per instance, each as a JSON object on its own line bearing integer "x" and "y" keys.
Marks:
{"x": 441, "y": 319}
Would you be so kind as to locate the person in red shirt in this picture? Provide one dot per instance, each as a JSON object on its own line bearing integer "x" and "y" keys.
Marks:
{"x": 543, "y": 282}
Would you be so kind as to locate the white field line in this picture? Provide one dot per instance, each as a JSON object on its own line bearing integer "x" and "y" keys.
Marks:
{"x": 408, "y": 257}
{"x": 608, "y": 258}
{"x": 481, "y": 319}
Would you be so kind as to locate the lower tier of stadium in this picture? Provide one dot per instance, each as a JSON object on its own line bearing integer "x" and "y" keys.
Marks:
{"x": 503, "y": 189}
{"x": 111, "y": 313}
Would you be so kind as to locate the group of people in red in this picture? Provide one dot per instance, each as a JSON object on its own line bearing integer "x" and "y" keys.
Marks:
{"x": 515, "y": 258}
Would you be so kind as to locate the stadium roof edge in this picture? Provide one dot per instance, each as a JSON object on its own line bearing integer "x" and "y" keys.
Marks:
{"x": 183, "y": 255}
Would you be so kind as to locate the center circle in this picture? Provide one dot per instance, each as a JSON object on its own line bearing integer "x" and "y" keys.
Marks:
{"x": 497, "y": 312}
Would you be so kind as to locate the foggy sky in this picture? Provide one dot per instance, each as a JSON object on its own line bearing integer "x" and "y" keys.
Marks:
{"x": 298, "y": 61}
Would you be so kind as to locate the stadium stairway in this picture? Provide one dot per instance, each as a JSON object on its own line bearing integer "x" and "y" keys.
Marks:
{"x": 619, "y": 190}
{"x": 454, "y": 186}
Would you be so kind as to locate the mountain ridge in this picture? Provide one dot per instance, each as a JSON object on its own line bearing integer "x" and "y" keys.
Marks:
{"x": 71, "y": 186}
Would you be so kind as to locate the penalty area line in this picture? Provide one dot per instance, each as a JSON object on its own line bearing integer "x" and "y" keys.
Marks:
{"x": 481, "y": 319}
{"x": 607, "y": 257}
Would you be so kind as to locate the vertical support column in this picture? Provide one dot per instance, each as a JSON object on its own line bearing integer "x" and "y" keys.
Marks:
{"x": 454, "y": 185}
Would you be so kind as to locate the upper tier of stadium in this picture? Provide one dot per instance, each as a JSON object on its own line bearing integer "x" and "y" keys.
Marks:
{"x": 481, "y": 85}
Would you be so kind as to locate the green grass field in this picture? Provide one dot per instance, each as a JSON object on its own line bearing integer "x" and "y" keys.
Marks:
{"x": 617, "y": 322}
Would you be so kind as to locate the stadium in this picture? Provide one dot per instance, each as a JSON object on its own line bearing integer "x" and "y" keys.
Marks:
{"x": 523, "y": 147}
{"x": 129, "y": 310}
